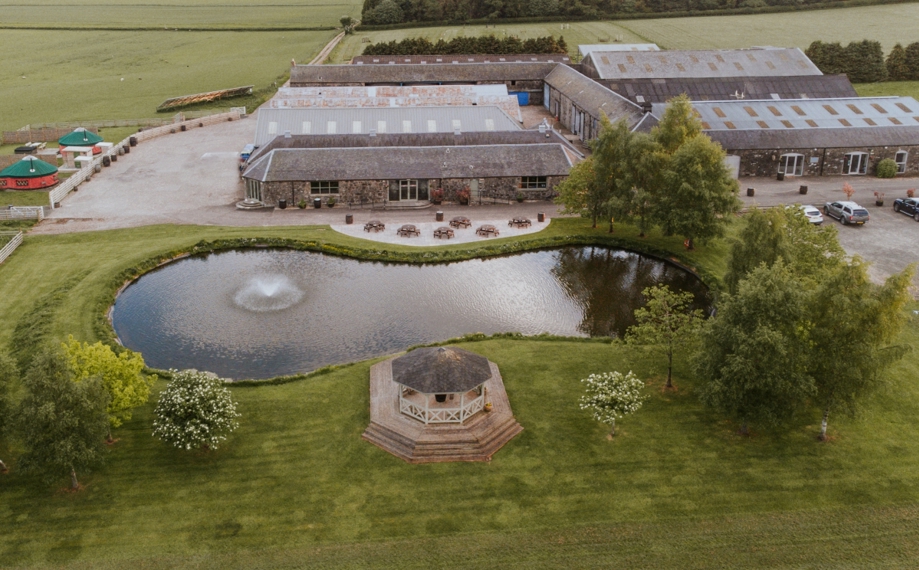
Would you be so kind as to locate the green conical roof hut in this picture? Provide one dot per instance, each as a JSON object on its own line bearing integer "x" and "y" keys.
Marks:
{"x": 80, "y": 137}
{"x": 28, "y": 167}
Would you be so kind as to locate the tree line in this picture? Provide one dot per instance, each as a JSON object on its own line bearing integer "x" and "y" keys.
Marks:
{"x": 404, "y": 11}
{"x": 864, "y": 61}
{"x": 469, "y": 45}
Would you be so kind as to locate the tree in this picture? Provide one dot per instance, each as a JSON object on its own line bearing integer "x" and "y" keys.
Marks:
{"x": 581, "y": 193}
{"x": 668, "y": 321}
{"x": 855, "y": 322}
{"x": 912, "y": 60}
{"x": 121, "y": 374}
{"x": 809, "y": 251}
{"x": 829, "y": 58}
{"x": 347, "y": 24}
{"x": 9, "y": 376}
{"x": 865, "y": 62}
{"x": 753, "y": 355}
{"x": 62, "y": 423}
{"x": 611, "y": 152}
{"x": 897, "y": 67}
{"x": 195, "y": 411}
{"x": 678, "y": 125}
{"x": 611, "y": 395}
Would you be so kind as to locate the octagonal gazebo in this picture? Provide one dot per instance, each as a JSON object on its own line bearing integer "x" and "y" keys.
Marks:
{"x": 431, "y": 405}
{"x": 441, "y": 385}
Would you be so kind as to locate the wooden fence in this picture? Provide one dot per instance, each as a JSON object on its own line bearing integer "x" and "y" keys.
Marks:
{"x": 23, "y": 213}
{"x": 15, "y": 240}
{"x": 56, "y": 195}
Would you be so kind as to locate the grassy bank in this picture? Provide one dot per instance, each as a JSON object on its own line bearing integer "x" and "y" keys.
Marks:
{"x": 296, "y": 486}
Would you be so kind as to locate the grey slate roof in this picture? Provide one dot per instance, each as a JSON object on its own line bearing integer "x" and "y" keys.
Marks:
{"x": 441, "y": 370}
{"x": 585, "y": 49}
{"x": 758, "y": 62}
{"x": 457, "y": 59}
{"x": 727, "y": 88}
{"x": 395, "y": 163}
{"x": 816, "y": 138}
{"x": 593, "y": 97}
{"x": 274, "y": 122}
{"x": 521, "y": 137}
{"x": 853, "y": 113}
{"x": 305, "y": 75}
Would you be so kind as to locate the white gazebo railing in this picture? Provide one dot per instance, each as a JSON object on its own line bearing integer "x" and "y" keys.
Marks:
{"x": 422, "y": 411}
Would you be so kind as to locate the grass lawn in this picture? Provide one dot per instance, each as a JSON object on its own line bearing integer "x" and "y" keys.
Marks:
{"x": 23, "y": 198}
{"x": 899, "y": 88}
{"x": 888, "y": 24}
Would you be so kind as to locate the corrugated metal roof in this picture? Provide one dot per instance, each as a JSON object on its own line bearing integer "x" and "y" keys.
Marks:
{"x": 585, "y": 49}
{"x": 816, "y": 138}
{"x": 395, "y": 163}
{"x": 853, "y": 113}
{"x": 593, "y": 97}
{"x": 760, "y": 62}
{"x": 305, "y": 75}
{"x": 727, "y": 88}
{"x": 457, "y": 59}
{"x": 275, "y": 122}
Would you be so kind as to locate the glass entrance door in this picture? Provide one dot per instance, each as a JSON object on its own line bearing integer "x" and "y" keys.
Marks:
{"x": 792, "y": 164}
{"x": 408, "y": 189}
{"x": 856, "y": 163}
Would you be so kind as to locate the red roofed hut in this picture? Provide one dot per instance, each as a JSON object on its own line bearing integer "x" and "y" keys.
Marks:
{"x": 30, "y": 173}
{"x": 81, "y": 137}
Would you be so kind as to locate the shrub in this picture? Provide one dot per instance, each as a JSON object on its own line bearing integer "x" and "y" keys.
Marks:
{"x": 887, "y": 168}
{"x": 195, "y": 411}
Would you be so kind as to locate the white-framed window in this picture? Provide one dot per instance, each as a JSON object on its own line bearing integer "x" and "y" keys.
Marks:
{"x": 324, "y": 187}
{"x": 533, "y": 182}
{"x": 253, "y": 190}
{"x": 900, "y": 159}
{"x": 856, "y": 163}
{"x": 792, "y": 164}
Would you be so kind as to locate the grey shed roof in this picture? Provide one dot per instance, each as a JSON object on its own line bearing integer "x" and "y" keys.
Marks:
{"x": 522, "y": 137}
{"x": 816, "y": 138}
{"x": 397, "y": 163}
{"x": 310, "y": 121}
{"x": 852, "y": 113}
{"x": 305, "y": 75}
{"x": 585, "y": 49}
{"x": 457, "y": 59}
{"x": 441, "y": 370}
{"x": 593, "y": 97}
{"x": 727, "y": 88}
{"x": 757, "y": 62}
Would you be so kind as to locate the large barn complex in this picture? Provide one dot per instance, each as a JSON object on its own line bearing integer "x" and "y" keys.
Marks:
{"x": 771, "y": 109}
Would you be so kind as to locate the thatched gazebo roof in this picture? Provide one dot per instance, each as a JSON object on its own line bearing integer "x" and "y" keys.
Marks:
{"x": 441, "y": 370}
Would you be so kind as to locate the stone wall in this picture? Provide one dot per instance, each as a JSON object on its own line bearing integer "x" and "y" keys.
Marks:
{"x": 829, "y": 161}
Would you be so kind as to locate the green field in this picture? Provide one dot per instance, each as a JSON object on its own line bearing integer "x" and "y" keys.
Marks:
{"x": 888, "y": 24}
{"x": 901, "y": 88}
{"x": 295, "y": 486}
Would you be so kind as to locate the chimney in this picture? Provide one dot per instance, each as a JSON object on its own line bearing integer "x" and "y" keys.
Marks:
{"x": 646, "y": 107}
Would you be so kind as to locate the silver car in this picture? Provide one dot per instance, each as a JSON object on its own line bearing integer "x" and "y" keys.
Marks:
{"x": 846, "y": 212}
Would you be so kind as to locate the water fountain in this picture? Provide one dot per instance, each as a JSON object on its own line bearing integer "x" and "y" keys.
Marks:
{"x": 267, "y": 293}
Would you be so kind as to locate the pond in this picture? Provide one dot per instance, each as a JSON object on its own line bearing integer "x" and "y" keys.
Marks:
{"x": 266, "y": 312}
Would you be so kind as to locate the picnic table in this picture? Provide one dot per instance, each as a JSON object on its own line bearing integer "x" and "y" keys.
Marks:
{"x": 443, "y": 232}
{"x": 460, "y": 222}
{"x": 374, "y": 226}
{"x": 408, "y": 230}
{"x": 487, "y": 230}
{"x": 520, "y": 222}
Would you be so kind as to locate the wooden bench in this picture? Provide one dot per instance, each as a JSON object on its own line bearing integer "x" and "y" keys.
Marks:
{"x": 460, "y": 222}
{"x": 408, "y": 230}
{"x": 519, "y": 223}
{"x": 443, "y": 232}
{"x": 374, "y": 226}
{"x": 487, "y": 231}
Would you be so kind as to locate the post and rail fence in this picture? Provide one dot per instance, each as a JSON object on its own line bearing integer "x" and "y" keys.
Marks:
{"x": 23, "y": 213}
{"x": 15, "y": 240}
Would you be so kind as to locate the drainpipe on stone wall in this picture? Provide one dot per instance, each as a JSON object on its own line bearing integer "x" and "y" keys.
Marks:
{"x": 822, "y": 162}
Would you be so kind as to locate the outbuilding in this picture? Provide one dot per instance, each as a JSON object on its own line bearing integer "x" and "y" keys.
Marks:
{"x": 81, "y": 137}
{"x": 30, "y": 173}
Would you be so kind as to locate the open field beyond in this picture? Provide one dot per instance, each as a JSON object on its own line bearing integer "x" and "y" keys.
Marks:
{"x": 72, "y": 75}
{"x": 888, "y": 24}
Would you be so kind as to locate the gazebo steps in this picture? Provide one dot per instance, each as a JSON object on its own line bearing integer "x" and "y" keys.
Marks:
{"x": 439, "y": 444}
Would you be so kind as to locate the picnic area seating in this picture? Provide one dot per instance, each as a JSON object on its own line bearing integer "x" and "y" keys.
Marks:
{"x": 374, "y": 226}
{"x": 408, "y": 230}
{"x": 487, "y": 230}
{"x": 520, "y": 222}
{"x": 443, "y": 232}
{"x": 460, "y": 222}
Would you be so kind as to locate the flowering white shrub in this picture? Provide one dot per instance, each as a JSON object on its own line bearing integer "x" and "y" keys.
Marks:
{"x": 195, "y": 410}
{"x": 611, "y": 395}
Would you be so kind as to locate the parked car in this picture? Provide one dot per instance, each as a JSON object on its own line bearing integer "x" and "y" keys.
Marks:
{"x": 908, "y": 206}
{"x": 846, "y": 212}
{"x": 813, "y": 214}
